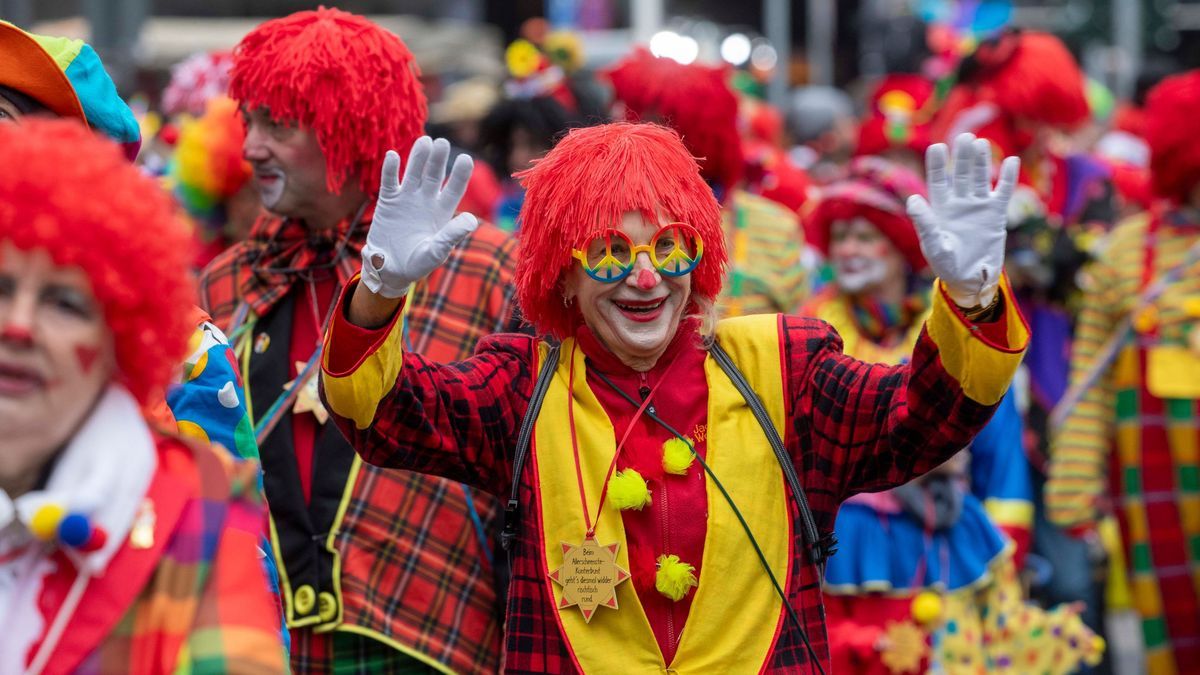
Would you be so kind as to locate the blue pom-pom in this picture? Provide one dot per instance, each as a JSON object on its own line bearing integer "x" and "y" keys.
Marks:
{"x": 75, "y": 530}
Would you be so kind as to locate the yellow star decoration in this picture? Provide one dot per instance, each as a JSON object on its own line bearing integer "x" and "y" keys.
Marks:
{"x": 905, "y": 648}
{"x": 589, "y": 576}
{"x": 309, "y": 398}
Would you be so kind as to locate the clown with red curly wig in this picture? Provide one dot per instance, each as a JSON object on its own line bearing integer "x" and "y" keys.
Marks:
{"x": 658, "y": 462}
{"x": 102, "y": 512}
{"x": 1126, "y": 426}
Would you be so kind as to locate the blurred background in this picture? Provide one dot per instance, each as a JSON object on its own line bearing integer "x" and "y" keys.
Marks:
{"x": 776, "y": 43}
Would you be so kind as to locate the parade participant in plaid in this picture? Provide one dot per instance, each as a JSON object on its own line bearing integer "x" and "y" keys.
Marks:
{"x": 765, "y": 241}
{"x": 651, "y": 527}
{"x": 926, "y": 574}
{"x": 123, "y": 546}
{"x": 382, "y": 571}
{"x": 1131, "y": 432}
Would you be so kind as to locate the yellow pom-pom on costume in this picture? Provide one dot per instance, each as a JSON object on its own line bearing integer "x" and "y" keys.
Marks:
{"x": 628, "y": 490}
{"x": 926, "y": 607}
{"x": 677, "y": 457}
{"x": 44, "y": 524}
{"x": 674, "y": 577}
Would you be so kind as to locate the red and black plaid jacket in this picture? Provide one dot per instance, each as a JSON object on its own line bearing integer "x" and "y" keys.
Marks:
{"x": 851, "y": 427}
{"x": 412, "y": 549}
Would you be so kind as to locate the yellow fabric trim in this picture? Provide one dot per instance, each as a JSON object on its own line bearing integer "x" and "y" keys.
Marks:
{"x": 1009, "y": 512}
{"x": 982, "y": 371}
{"x": 622, "y": 640}
{"x": 356, "y": 396}
{"x": 409, "y": 651}
{"x": 334, "y": 530}
{"x": 836, "y": 313}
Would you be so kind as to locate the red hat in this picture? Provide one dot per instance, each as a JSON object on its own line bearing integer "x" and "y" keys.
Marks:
{"x": 352, "y": 83}
{"x": 693, "y": 99}
{"x": 584, "y": 186}
{"x": 875, "y": 189}
{"x": 1016, "y": 76}
{"x": 78, "y": 198}
{"x": 1171, "y": 134}
{"x": 897, "y": 116}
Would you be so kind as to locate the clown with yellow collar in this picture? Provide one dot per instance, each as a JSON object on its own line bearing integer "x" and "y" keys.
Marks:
{"x": 671, "y": 480}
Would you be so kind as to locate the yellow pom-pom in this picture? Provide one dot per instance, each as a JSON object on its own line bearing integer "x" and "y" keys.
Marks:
{"x": 628, "y": 490}
{"x": 674, "y": 577}
{"x": 926, "y": 607}
{"x": 1096, "y": 654}
{"x": 44, "y": 524}
{"x": 677, "y": 457}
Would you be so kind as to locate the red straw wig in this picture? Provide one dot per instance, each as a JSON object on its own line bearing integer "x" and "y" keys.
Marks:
{"x": 584, "y": 186}
{"x": 348, "y": 80}
{"x": 1171, "y": 135}
{"x": 694, "y": 99}
{"x": 76, "y": 197}
{"x": 1023, "y": 76}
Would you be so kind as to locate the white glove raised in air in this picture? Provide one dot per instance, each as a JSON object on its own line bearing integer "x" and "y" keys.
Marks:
{"x": 962, "y": 226}
{"x": 414, "y": 227}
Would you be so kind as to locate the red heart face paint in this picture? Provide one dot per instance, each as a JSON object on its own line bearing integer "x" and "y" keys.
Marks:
{"x": 87, "y": 355}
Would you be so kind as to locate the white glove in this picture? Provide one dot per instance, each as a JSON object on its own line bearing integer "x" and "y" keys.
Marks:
{"x": 414, "y": 227}
{"x": 962, "y": 226}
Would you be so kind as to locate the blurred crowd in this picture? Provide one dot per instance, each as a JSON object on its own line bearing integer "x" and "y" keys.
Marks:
{"x": 1078, "y": 502}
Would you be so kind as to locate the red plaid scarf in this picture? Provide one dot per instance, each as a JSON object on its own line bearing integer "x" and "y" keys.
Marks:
{"x": 281, "y": 252}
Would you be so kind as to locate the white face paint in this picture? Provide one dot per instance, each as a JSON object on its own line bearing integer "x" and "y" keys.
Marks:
{"x": 270, "y": 184}
{"x": 858, "y": 273}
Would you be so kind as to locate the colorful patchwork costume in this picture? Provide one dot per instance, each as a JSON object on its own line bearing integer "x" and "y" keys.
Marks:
{"x": 1132, "y": 434}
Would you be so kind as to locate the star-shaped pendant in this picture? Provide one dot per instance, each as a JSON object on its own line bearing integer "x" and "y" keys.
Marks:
{"x": 309, "y": 398}
{"x": 589, "y": 576}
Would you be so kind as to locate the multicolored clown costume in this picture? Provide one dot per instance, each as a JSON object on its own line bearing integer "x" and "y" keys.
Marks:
{"x": 925, "y": 575}
{"x": 348, "y": 536}
{"x": 1131, "y": 433}
{"x": 698, "y": 601}
{"x": 138, "y": 553}
{"x": 766, "y": 243}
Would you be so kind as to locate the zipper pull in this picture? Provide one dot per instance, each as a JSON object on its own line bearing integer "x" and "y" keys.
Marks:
{"x": 644, "y": 392}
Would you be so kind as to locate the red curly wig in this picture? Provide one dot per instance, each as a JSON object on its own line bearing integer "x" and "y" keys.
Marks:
{"x": 694, "y": 99}
{"x": 584, "y": 186}
{"x": 1174, "y": 147}
{"x": 354, "y": 84}
{"x": 77, "y": 198}
{"x": 1023, "y": 76}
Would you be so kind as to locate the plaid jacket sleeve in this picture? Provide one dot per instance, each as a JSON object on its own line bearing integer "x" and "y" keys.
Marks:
{"x": 402, "y": 411}
{"x": 236, "y": 628}
{"x": 872, "y": 427}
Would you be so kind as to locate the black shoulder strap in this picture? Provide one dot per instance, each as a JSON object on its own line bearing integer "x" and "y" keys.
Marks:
{"x": 513, "y": 508}
{"x": 819, "y": 548}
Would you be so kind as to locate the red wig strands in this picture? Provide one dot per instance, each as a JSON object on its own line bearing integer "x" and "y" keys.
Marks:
{"x": 1027, "y": 76}
{"x": 584, "y": 186}
{"x": 1171, "y": 134}
{"x": 77, "y": 198}
{"x": 346, "y": 79}
{"x": 695, "y": 100}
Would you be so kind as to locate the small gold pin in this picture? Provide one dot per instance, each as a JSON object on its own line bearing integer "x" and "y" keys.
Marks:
{"x": 261, "y": 343}
{"x": 141, "y": 535}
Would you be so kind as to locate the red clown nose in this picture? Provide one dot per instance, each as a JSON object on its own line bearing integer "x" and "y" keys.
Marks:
{"x": 646, "y": 280}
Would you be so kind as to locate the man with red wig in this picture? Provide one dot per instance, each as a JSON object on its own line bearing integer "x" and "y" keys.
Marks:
{"x": 765, "y": 240}
{"x": 1132, "y": 433}
{"x": 382, "y": 571}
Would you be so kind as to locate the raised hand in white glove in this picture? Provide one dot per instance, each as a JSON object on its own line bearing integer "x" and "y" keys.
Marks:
{"x": 962, "y": 226}
{"x": 414, "y": 227}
